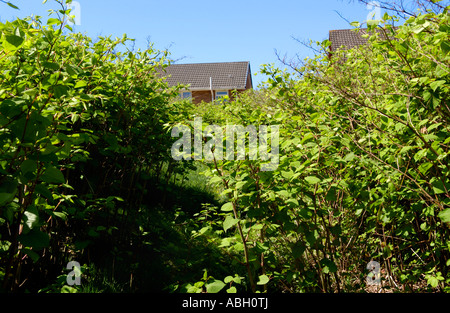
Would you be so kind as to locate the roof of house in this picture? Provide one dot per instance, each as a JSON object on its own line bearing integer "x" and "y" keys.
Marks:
{"x": 348, "y": 38}
{"x": 224, "y": 75}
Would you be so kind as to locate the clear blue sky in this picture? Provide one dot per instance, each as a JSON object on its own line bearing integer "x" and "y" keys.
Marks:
{"x": 210, "y": 31}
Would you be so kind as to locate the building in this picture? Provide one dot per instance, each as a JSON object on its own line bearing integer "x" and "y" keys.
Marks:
{"x": 347, "y": 38}
{"x": 210, "y": 81}
{"x": 350, "y": 38}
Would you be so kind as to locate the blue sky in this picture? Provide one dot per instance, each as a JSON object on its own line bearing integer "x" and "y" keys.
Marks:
{"x": 210, "y": 31}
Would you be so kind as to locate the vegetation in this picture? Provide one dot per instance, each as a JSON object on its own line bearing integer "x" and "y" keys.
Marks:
{"x": 86, "y": 172}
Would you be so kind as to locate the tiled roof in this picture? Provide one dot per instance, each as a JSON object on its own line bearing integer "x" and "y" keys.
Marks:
{"x": 225, "y": 75}
{"x": 348, "y": 38}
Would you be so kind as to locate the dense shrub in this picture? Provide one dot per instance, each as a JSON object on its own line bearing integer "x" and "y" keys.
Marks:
{"x": 81, "y": 133}
{"x": 362, "y": 179}
{"x": 364, "y": 168}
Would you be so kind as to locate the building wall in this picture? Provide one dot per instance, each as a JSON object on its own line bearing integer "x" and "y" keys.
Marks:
{"x": 202, "y": 95}
{"x": 199, "y": 96}
{"x": 249, "y": 82}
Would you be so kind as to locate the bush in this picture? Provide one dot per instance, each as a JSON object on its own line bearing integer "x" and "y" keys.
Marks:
{"x": 363, "y": 171}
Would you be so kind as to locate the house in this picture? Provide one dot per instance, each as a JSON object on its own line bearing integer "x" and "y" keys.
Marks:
{"x": 210, "y": 81}
{"x": 350, "y": 38}
{"x": 346, "y": 38}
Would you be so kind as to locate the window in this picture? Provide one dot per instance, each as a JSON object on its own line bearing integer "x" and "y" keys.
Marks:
{"x": 186, "y": 95}
{"x": 220, "y": 94}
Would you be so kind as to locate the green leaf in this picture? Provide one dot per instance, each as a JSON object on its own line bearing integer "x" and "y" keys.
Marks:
{"x": 293, "y": 201}
{"x": 42, "y": 190}
{"x": 28, "y": 166}
{"x": 80, "y": 84}
{"x": 31, "y": 218}
{"x": 372, "y": 23}
{"x": 6, "y": 197}
{"x": 435, "y": 85}
{"x": 8, "y": 191}
{"x": 257, "y": 226}
{"x": 53, "y": 176}
{"x": 312, "y": 180}
{"x": 263, "y": 279}
{"x": 312, "y": 236}
{"x": 261, "y": 247}
{"x": 68, "y": 289}
{"x": 60, "y": 91}
{"x": 73, "y": 70}
{"x": 93, "y": 233}
{"x": 288, "y": 174}
{"x": 12, "y": 42}
{"x": 4, "y": 246}
{"x": 53, "y": 21}
{"x": 433, "y": 281}
{"x": 445, "y": 46}
{"x": 331, "y": 194}
{"x": 232, "y": 290}
{"x": 227, "y": 207}
{"x": 12, "y": 5}
{"x": 215, "y": 286}
{"x": 424, "y": 167}
{"x": 35, "y": 239}
{"x": 229, "y": 222}
{"x": 439, "y": 187}
{"x": 237, "y": 279}
{"x": 433, "y": 126}
{"x": 328, "y": 266}
{"x": 61, "y": 215}
{"x": 445, "y": 215}
{"x": 349, "y": 157}
{"x": 420, "y": 154}
{"x": 51, "y": 65}
{"x": 33, "y": 255}
{"x": 297, "y": 250}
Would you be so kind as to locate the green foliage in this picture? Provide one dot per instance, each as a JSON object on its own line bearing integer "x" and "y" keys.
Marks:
{"x": 209, "y": 284}
{"x": 10, "y": 4}
{"x": 86, "y": 171}
{"x": 81, "y": 132}
{"x": 363, "y": 173}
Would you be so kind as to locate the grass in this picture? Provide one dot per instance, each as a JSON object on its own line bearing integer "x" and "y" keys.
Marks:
{"x": 159, "y": 252}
